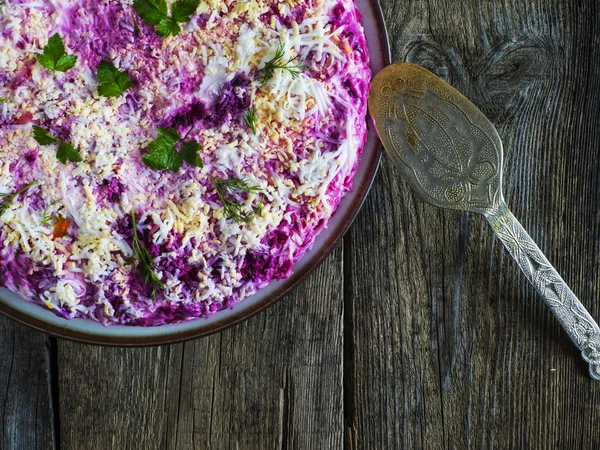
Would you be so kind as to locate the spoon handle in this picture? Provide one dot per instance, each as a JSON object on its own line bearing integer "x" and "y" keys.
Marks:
{"x": 572, "y": 315}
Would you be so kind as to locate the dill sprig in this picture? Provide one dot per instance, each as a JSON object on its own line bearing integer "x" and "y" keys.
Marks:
{"x": 143, "y": 261}
{"x": 293, "y": 65}
{"x": 7, "y": 199}
{"x": 225, "y": 187}
{"x": 49, "y": 219}
{"x": 251, "y": 119}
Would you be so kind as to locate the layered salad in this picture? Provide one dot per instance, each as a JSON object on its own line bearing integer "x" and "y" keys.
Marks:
{"x": 163, "y": 160}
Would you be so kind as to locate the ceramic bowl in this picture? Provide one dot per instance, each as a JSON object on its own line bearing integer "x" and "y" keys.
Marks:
{"x": 117, "y": 335}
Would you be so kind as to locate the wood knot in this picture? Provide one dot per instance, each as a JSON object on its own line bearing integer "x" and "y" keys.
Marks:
{"x": 431, "y": 56}
{"x": 505, "y": 77}
{"x": 497, "y": 82}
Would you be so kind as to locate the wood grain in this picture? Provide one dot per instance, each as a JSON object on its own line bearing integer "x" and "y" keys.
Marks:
{"x": 454, "y": 349}
{"x": 274, "y": 382}
{"x": 117, "y": 398}
{"x": 26, "y": 410}
{"x": 419, "y": 332}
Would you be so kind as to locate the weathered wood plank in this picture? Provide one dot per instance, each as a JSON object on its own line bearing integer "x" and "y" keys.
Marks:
{"x": 452, "y": 349}
{"x": 273, "y": 382}
{"x": 117, "y": 398}
{"x": 26, "y": 413}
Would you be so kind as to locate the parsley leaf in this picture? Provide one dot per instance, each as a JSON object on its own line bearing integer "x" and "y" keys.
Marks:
{"x": 43, "y": 136}
{"x": 251, "y": 119}
{"x": 189, "y": 153}
{"x": 163, "y": 154}
{"x": 292, "y": 65}
{"x": 151, "y": 11}
{"x": 112, "y": 82}
{"x": 54, "y": 57}
{"x": 66, "y": 62}
{"x": 155, "y": 12}
{"x": 7, "y": 199}
{"x": 143, "y": 260}
{"x": 183, "y": 9}
{"x": 168, "y": 27}
{"x": 225, "y": 188}
{"x": 65, "y": 152}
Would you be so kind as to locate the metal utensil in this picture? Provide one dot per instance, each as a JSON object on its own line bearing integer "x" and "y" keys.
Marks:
{"x": 451, "y": 154}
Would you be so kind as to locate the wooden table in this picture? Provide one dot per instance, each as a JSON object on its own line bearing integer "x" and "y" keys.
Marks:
{"x": 418, "y": 332}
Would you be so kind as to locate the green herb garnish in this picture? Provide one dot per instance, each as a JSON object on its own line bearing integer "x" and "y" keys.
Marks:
{"x": 292, "y": 65}
{"x": 251, "y": 119}
{"x": 54, "y": 56}
{"x": 43, "y": 136}
{"x": 65, "y": 152}
{"x": 112, "y": 82}
{"x": 155, "y": 13}
{"x": 7, "y": 199}
{"x": 49, "y": 219}
{"x": 163, "y": 153}
{"x": 225, "y": 188}
{"x": 136, "y": 27}
{"x": 3, "y": 99}
{"x": 151, "y": 11}
{"x": 143, "y": 261}
{"x": 168, "y": 27}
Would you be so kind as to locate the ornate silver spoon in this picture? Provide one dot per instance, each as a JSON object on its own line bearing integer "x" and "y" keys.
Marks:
{"x": 451, "y": 154}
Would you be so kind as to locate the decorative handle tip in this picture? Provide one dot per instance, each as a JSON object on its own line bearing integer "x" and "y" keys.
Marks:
{"x": 592, "y": 355}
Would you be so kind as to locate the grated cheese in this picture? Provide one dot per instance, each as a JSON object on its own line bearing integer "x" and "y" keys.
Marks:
{"x": 310, "y": 132}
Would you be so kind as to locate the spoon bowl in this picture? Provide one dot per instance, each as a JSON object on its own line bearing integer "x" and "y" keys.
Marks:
{"x": 444, "y": 145}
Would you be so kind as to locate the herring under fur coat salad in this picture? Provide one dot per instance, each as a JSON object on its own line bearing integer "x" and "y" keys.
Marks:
{"x": 162, "y": 160}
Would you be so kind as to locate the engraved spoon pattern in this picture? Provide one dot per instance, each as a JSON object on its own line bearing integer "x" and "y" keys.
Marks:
{"x": 451, "y": 154}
